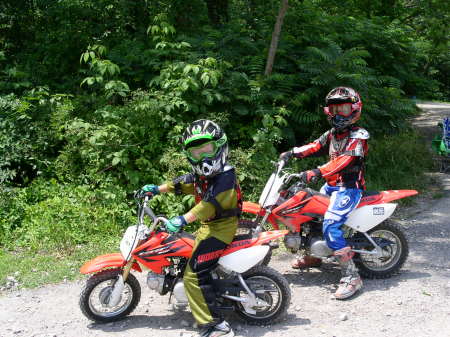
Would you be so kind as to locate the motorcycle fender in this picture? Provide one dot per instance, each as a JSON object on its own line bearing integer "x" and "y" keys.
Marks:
{"x": 251, "y": 207}
{"x": 106, "y": 261}
{"x": 254, "y": 208}
{"x": 268, "y": 236}
{"x": 365, "y": 218}
{"x": 242, "y": 260}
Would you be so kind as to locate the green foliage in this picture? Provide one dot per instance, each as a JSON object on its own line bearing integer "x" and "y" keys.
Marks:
{"x": 48, "y": 215}
{"x": 102, "y": 69}
{"x": 29, "y": 133}
{"x": 398, "y": 162}
{"x": 33, "y": 270}
{"x": 70, "y": 153}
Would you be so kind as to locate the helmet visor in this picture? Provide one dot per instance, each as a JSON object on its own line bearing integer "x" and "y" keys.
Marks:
{"x": 344, "y": 109}
{"x": 205, "y": 150}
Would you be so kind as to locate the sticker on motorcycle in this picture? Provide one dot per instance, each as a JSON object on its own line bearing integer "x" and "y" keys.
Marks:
{"x": 378, "y": 211}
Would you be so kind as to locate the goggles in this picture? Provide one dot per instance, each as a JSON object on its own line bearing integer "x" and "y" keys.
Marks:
{"x": 205, "y": 150}
{"x": 344, "y": 109}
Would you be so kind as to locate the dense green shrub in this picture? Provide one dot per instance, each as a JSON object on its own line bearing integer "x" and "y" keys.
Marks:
{"x": 48, "y": 215}
{"x": 398, "y": 162}
{"x": 76, "y": 137}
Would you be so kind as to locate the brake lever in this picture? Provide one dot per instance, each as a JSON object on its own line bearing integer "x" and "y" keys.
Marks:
{"x": 137, "y": 194}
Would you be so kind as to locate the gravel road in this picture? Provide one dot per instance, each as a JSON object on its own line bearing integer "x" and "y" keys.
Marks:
{"x": 414, "y": 303}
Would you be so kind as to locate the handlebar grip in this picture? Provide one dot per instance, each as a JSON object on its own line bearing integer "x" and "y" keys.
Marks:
{"x": 163, "y": 219}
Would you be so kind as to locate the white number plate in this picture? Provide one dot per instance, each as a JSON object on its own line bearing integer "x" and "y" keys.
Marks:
{"x": 130, "y": 240}
{"x": 378, "y": 211}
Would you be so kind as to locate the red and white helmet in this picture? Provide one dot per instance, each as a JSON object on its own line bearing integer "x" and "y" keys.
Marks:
{"x": 343, "y": 107}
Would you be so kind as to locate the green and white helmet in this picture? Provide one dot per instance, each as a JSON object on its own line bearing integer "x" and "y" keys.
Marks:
{"x": 206, "y": 147}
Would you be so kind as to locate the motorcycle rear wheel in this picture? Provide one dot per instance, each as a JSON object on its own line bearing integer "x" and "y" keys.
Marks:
{"x": 394, "y": 257}
{"x": 271, "y": 287}
{"x": 95, "y": 295}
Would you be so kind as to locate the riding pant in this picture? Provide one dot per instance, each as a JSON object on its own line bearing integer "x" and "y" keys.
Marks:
{"x": 209, "y": 245}
{"x": 343, "y": 201}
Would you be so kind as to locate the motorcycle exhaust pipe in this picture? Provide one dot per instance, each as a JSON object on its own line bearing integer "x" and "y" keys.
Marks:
{"x": 320, "y": 249}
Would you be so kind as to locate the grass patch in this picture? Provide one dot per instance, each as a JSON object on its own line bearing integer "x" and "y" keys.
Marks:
{"x": 398, "y": 162}
{"x": 33, "y": 269}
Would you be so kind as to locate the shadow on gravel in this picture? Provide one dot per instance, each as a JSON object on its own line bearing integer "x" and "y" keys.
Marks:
{"x": 166, "y": 322}
{"x": 174, "y": 322}
{"x": 283, "y": 327}
{"x": 328, "y": 277}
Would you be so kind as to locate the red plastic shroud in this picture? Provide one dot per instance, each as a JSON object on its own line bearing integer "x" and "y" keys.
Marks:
{"x": 154, "y": 253}
{"x": 302, "y": 207}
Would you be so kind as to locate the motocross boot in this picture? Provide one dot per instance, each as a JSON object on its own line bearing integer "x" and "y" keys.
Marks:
{"x": 306, "y": 261}
{"x": 222, "y": 329}
{"x": 350, "y": 282}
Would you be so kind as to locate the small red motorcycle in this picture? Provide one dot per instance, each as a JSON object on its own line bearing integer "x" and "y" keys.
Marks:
{"x": 257, "y": 293}
{"x": 380, "y": 245}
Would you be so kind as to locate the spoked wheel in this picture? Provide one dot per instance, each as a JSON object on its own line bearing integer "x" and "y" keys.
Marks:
{"x": 96, "y": 295}
{"x": 273, "y": 296}
{"x": 392, "y": 239}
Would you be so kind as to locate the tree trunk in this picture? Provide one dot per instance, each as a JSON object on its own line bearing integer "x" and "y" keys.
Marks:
{"x": 276, "y": 36}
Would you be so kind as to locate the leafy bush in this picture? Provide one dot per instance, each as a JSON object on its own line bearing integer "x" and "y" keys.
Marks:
{"x": 48, "y": 215}
{"x": 76, "y": 138}
{"x": 27, "y": 140}
{"x": 398, "y": 162}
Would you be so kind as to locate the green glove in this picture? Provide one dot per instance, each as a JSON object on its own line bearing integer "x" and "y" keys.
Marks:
{"x": 153, "y": 189}
{"x": 175, "y": 224}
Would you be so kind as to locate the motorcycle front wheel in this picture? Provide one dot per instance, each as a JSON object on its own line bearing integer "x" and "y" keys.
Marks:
{"x": 273, "y": 291}
{"x": 95, "y": 297}
{"x": 392, "y": 239}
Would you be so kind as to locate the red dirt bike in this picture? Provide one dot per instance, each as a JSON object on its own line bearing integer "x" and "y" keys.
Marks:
{"x": 380, "y": 245}
{"x": 257, "y": 293}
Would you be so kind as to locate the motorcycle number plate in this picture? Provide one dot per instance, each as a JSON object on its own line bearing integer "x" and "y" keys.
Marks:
{"x": 130, "y": 240}
{"x": 378, "y": 211}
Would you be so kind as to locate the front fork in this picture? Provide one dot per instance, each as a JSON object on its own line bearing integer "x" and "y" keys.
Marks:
{"x": 116, "y": 293}
{"x": 261, "y": 227}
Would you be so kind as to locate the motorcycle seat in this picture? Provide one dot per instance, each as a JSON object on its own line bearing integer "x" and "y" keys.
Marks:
{"x": 369, "y": 197}
{"x": 369, "y": 193}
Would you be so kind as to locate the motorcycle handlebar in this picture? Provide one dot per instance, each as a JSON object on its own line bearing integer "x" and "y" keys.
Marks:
{"x": 291, "y": 176}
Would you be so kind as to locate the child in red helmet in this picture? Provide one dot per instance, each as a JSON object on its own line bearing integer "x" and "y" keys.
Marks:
{"x": 347, "y": 147}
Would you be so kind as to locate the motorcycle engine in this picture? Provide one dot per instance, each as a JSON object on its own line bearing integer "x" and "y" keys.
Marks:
{"x": 155, "y": 282}
{"x": 293, "y": 242}
{"x": 319, "y": 248}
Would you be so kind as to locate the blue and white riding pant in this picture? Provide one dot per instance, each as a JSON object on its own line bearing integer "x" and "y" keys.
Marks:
{"x": 342, "y": 202}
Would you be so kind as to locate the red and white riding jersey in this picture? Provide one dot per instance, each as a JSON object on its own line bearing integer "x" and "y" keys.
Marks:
{"x": 347, "y": 152}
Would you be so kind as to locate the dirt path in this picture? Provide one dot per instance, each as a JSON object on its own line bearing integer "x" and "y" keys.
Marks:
{"x": 414, "y": 303}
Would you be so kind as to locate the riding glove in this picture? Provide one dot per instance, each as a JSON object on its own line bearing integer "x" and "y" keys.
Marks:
{"x": 310, "y": 176}
{"x": 153, "y": 189}
{"x": 175, "y": 224}
{"x": 286, "y": 155}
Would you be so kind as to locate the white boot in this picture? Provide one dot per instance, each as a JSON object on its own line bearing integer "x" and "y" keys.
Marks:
{"x": 350, "y": 282}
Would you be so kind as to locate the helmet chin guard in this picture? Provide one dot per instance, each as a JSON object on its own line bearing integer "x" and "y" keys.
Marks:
{"x": 209, "y": 167}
